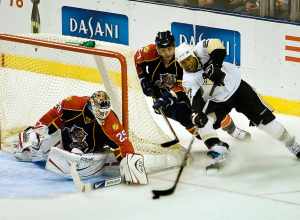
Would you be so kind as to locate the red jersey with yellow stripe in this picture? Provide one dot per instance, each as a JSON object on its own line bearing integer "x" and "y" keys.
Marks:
{"x": 80, "y": 128}
{"x": 150, "y": 65}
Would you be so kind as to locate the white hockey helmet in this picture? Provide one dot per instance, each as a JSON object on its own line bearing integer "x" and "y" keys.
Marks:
{"x": 100, "y": 103}
{"x": 183, "y": 51}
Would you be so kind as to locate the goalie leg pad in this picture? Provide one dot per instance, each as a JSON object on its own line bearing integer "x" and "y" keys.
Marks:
{"x": 88, "y": 165}
{"x": 132, "y": 169}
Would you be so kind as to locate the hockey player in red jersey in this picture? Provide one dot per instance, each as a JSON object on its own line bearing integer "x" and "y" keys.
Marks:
{"x": 161, "y": 78}
{"x": 80, "y": 125}
{"x": 205, "y": 68}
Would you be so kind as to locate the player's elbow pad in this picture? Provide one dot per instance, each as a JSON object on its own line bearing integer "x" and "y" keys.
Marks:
{"x": 146, "y": 86}
{"x": 217, "y": 57}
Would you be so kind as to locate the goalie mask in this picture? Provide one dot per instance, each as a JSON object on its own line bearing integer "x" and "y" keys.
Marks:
{"x": 100, "y": 105}
{"x": 187, "y": 59}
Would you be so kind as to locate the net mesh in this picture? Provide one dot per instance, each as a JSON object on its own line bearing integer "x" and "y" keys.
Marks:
{"x": 34, "y": 78}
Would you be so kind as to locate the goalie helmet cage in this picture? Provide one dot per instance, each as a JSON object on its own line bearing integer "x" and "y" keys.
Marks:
{"x": 39, "y": 70}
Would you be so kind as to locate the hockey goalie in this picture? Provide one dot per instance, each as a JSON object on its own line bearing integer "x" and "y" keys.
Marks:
{"x": 84, "y": 130}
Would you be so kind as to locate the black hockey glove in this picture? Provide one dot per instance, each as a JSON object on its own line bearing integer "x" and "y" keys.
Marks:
{"x": 215, "y": 74}
{"x": 147, "y": 87}
{"x": 199, "y": 119}
{"x": 164, "y": 101}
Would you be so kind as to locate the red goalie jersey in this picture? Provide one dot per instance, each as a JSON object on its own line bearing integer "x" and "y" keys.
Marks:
{"x": 80, "y": 129}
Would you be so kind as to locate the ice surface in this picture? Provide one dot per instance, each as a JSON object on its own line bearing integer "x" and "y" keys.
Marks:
{"x": 259, "y": 182}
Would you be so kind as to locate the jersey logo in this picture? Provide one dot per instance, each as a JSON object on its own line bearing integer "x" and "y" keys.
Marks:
{"x": 146, "y": 49}
{"x": 69, "y": 98}
{"x": 115, "y": 126}
{"x": 77, "y": 136}
{"x": 58, "y": 107}
{"x": 87, "y": 120}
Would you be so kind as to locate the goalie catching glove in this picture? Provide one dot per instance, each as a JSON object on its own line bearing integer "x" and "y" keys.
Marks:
{"x": 34, "y": 144}
{"x": 132, "y": 169}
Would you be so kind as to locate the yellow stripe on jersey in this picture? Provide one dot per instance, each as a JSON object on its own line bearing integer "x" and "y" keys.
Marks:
{"x": 214, "y": 44}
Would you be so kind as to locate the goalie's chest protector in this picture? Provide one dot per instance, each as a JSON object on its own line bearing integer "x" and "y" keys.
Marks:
{"x": 81, "y": 129}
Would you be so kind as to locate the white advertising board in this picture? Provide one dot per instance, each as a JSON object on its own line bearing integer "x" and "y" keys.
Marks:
{"x": 267, "y": 52}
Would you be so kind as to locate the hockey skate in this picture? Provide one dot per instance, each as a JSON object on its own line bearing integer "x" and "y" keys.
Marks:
{"x": 294, "y": 147}
{"x": 218, "y": 154}
{"x": 240, "y": 134}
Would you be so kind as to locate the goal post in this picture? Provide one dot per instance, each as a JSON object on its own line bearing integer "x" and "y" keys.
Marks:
{"x": 92, "y": 51}
{"x": 39, "y": 70}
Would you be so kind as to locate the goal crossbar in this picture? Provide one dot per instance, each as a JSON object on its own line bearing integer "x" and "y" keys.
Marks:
{"x": 82, "y": 49}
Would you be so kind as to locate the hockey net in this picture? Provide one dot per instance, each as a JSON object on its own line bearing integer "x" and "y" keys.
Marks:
{"x": 37, "y": 71}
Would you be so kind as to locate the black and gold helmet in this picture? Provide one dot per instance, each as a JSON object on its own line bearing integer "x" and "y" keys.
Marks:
{"x": 100, "y": 103}
{"x": 164, "y": 39}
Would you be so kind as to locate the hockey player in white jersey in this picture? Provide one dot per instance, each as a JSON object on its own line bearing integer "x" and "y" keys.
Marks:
{"x": 155, "y": 64}
{"x": 204, "y": 68}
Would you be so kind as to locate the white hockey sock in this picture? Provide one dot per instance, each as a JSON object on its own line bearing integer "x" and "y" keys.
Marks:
{"x": 277, "y": 131}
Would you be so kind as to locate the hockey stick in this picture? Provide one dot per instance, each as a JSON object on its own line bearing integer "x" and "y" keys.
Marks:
{"x": 176, "y": 140}
{"x": 172, "y": 142}
{"x": 87, "y": 187}
{"x": 158, "y": 193}
{"x": 159, "y": 85}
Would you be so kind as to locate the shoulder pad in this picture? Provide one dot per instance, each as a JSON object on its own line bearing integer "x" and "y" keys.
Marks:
{"x": 74, "y": 102}
{"x": 147, "y": 53}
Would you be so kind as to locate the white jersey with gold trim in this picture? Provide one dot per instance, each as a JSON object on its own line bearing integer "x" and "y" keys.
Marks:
{"x": 193, "y": 81}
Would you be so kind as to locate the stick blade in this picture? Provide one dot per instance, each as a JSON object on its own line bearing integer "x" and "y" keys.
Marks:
{"x": 170, "y": 143}
{"x": 158, "y": 193}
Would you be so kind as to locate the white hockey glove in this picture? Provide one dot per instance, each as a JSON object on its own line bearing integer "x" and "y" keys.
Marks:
{"x": 35, "y": 143}
{"x": 132, "y": 169}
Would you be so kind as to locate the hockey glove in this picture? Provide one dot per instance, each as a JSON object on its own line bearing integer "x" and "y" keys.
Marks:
{"x": 164, "y": 101}
{"x": 199, "y": 119}
{"x": 215, "y": 74}
{"x": 147, "y": 87}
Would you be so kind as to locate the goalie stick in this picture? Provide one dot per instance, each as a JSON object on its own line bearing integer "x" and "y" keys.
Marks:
{"x": 158, "y": 193}
{"x": 87, "y": 187}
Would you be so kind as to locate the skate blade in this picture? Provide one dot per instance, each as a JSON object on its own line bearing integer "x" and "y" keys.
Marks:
{"x": 214, "y": 167}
